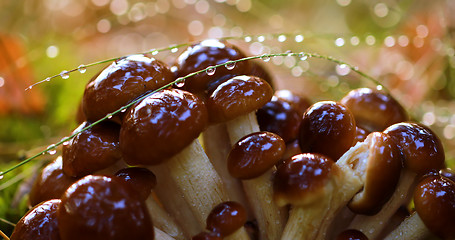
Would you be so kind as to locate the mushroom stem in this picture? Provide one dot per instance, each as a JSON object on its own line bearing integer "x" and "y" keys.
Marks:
{"x": 411, "y": 228}
{"x": 239, "y": 234}
{"x": 161, "y": 235}
{"x": 372, "y": 226}
{"x": 217, "y": 145}
{"x": 198, "y": 181}
{"x": 269, "y": 216}
{"x": 162, "y": 220}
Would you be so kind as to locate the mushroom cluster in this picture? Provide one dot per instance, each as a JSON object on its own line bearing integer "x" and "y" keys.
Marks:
{"x": 225, "y": 156}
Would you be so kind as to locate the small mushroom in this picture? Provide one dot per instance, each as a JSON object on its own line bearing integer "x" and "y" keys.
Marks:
{"x": 208, "y": 53}
{"x": 100, "y": 207}
{"x": 327, "y": 128}
{"x": 40, "y": 223}
{"x": 299, "y": 102}
{"x": 91, "y": 150}
{"x": 121, "y": 82}
{"x": 252, "y": 160}
{"x": 374, "y": 110}
{"x": 226, "y": 218}
{"x": 434, "y": 199}
{"x": 422, "y": 152}
{"x": 142, "y": 181}
{"x": 51, "y": 183}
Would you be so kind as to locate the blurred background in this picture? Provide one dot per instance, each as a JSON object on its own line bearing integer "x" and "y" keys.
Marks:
{"x": 407, "y": 45}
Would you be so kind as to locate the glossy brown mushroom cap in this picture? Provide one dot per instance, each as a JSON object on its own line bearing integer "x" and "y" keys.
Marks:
{"x": 254, "y": 154}
{"x": 327, "y": 128}
{"x": 434, "y": 199}
{"x": 141, "y": 180}
{"x": 208, "y": 53}
{"x": 421, "y": 147}
{"x": 40, "y": 223}
{"x": 360, "y": 135}
{"x": 447, "y": 173}
{"x": 382, "y": 172}
{"x": 298, "y": 101}
{"x": 121, "y": 82}
{"x": 238, "y": 96}
{"x": 226, "y": 218}
{"x": 374, "y": 110}
{"x": 51, "y": 183}
{"x": 160, "y": 126}
{"x": 351, "y": 234}
{"x": 91, "y": 150}
{"x": 258, "y": 70}
{"x": 207, "y": 236}
{"x": 99, "y": 207}
{"x": 303, "y": 179}
{"x": 281, "y": 118}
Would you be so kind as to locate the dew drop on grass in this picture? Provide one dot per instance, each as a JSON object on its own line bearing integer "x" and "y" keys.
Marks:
{"x": 248, "y": 39}
{"x": 265, "y": 58}
{"x": 303, "y": 56}
{"x": 51, "y": 149}
{"x": 109, "y": 116}
{"x": 210, "y": 71}
{"x": 123, "y": 110}
{"x": 343, "y": 69}
{"x": 174, "y": 50}
{"x": 1, "y": 175}
{"x": 299, "y": 38}
{"x": 180, "y": 82}
{"x": 230, "y": 65}
{"x": 48, "y": 79}
{"x": 154, "y": 51}
{"x": 82, "y": 68}
{"x": 65, "y": 74}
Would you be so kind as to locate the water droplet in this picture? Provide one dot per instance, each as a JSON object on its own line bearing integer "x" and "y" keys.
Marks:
{"x": 281, "y": 38}
{"x": 174, "y": 50}
{"x": 303, "y": 56}
{"x": 1, "y": 175}
{"x": 48, "y": 79}
{"x": 82, "y": 68}
{"x": 65, "y": 74}
{"x": 210, "y": 71}
{"x": 299, "y": 38}
{"x": 230, "y": 65}
{"x": 339, "y": 42}
{"x": 66, "y": 143}
{"x": 154, "y": 52}
{"x": 123, "y": 110}
{"x": 248, "y": 39}
{"x": 180, "y": 82}
{"x": 379, "y": 87}
{"x": 51, "y": 149}
{"x": 343, "y": 69}
{"x": 109, "y": 116}
{"x": 261, "y": 39}
{"x": 265, "y": 58}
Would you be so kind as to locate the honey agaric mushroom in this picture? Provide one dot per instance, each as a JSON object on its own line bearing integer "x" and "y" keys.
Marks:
{"x": 434, "y": 199}
{"x": 121, "y": 82}
{"x": 235, "y": 102}
{"x": 422, "y": 152}
{"x": 91, "y": 150}
{"x": 360, "y": 168}
{"x": 40, "y": 223}
{"x": 100, "y": 207}
{"x": 299, "y": 102}
{"x": 163, "y": 128}
{"x": 51, "y": 183}
{"x": 142, "y": 181}
{"x": 374, "y": 110}
{"x": 327, "y": 128}
{"x": 226, "y": 218}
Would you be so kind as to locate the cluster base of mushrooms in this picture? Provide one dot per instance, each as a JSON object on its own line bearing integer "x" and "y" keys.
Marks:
{"x": 226, "y": 156}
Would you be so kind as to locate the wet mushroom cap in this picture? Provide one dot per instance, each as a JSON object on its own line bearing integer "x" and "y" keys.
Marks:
{"x": 100, "y": 207}
{"x": 299, "y": 102}
{"x": 141, "y": 180}
{"x": 226, "y": 218}
{"x": 351, "y": 234}
{"x": 327, "y": 128}
{"x": 91, "y": 150}
{"x": 303, "y": 179}
{"x": 121, "y": 82}
{"x": 448, "y": 173}
{"x": 360, "y": 135}
{"x": 374, "y": 110}
{"x": 51, "y": 183}
{"x": 40, "y": 223}
{"x": 160, "y": 126}
{"x": 208, "y": 53}
{"x": 281, "y": 118}
{"x": 420, "y": 146}
{"x": 382, "y": 172}
{"x": 237, "y": 96}
{"x": 434, "y": 199}
{"x": 254, "y": 154}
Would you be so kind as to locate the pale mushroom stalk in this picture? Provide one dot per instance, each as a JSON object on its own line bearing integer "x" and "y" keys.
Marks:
{"x": 411, "y": 228}
{"x": 161, "y": 235}
{"x": 162, "y": 220}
